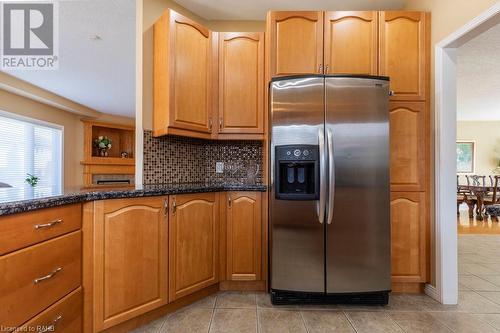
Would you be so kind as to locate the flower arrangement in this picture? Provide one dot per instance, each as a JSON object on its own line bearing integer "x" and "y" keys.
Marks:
{"x": 103, "y": 144}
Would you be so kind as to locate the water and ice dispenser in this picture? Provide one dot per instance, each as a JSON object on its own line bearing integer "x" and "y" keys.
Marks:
{"x": 297, "y": 172}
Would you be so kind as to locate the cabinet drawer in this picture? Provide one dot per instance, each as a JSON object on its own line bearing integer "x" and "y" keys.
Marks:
{"x": 21, "y": 230}
{"x": 36, "y": 277}
{"x": 63, "y": 316}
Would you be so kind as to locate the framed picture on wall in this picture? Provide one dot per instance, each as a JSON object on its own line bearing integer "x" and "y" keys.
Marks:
{"x": 466, "y": 156}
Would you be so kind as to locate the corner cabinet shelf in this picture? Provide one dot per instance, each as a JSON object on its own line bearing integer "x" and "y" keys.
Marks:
{"x": 112, "y": 170}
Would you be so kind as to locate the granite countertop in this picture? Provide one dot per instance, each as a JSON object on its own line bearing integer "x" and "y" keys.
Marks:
{"x": 14, "y": 200}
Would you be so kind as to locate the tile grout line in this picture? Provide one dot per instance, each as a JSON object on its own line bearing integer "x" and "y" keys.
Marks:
{"x": 213, "y": 314}
{"x": 303, "y": 320}
{"x": 349, "y": 321}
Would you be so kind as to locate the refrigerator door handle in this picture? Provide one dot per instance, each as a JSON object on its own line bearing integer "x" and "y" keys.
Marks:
{"x": 322, "y": 176}
{"x": 331, "y": 176}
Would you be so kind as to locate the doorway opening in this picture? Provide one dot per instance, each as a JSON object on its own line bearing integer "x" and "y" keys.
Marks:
{"x": 446, "y": 239}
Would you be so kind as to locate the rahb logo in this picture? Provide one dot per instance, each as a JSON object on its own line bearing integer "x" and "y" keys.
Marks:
{"x": 29, "y": 35}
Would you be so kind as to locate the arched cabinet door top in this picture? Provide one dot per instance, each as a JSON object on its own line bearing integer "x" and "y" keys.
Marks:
{"x": 367, "y": 16}
{"x": 252, "y": 36}
{"x": 307, "y": 15}
{"x": 179, "y": 19}
{"x": 394, "y": 15}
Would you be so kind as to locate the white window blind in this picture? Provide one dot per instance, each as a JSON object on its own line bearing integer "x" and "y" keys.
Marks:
{"x": 29, "y": 148}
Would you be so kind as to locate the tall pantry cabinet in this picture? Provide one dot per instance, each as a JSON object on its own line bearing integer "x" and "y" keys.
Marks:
{"x": 386, "y": 43}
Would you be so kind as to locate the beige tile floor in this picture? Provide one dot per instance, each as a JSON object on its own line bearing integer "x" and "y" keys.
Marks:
{"x": 478, "y": 310}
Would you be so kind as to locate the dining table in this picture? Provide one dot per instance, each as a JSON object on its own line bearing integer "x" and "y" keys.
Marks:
{"x": 479, "y": 191}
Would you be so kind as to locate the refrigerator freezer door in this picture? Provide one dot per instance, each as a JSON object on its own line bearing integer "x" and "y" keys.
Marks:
{"x": 358, "y": 235}
{"x": 296, "y": 234}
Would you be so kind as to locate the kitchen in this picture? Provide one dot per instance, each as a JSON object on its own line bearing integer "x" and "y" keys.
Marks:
{"x": 210, "y": 209}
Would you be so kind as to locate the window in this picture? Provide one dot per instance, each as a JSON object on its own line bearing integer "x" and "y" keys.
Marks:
{"x": 29, "y": 147}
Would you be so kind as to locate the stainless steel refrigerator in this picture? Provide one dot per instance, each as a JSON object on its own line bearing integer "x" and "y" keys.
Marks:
{"x": 329, "y": 200}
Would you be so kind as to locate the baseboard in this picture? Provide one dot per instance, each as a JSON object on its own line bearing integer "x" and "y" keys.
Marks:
{"x": 408, "y": 287}
{"x": 431, "y": 291}
{"x": 242, "y": 285}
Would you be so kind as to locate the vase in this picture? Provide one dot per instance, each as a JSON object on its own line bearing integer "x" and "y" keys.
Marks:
{"x": 103, "y": 152}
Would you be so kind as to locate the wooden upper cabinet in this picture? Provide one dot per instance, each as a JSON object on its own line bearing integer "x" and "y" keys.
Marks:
{"x": 183, "y": 77}
{"x": 244, "y": 240}
{"x": 407, "y": 146}
{"x": 193, "y": 243}
{"x": 241, "y": 82}
{"x": 130, "y": 264}
{"x": 409, "y": 237}
{"x": 296, "y": 42}
{"x": 351, "y": 42}
{"x": 403, "y": 48}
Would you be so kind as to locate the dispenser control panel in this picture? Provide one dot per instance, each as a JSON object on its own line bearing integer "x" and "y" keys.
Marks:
{"x": 297, "y": 172}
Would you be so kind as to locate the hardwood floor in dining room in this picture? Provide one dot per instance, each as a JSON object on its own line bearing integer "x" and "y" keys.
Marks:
{"x": 468, "y": 225}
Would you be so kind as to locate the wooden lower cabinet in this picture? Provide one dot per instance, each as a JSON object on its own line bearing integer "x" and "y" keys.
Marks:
{"x": 243, "y": 236}
{"x": 193, "y": 243}
{"x": 63, "y": 316}
{"x": 130, "y": 258}
{"x": 409, "y": 237}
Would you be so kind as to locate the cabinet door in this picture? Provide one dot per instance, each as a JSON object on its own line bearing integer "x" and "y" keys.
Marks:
{"x": 403, "y": 39}
{"x": 351, "y": 42}
{"x": 193, "y": 243}
{"x": 409, "y": 236}
{"x": 243, "y": 236}
{"x": 191, "y": 74}
{"x": 408, "y": 141}
{"x": 296, "y": 42}
{"x": 241, "y": 82}
{"x": 130, "y": 272}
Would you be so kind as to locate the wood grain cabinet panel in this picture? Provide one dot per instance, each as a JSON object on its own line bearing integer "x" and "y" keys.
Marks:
{"x": 296, "y": 42}
{"x": 409, "y": 236}
{"x": 130, "y": 248}
{"x": 403, "y": 48}
{"x": 193, "y": 243}
{"x": 183, "y": 77}
{"x": 63, "y": 316}
{"x": 244, "y": 239}
{"x": 351, "y": 42}
{"x": 407, "y": 146}
{"x": 33, "y": 278}
{"x": 241, "y": 82}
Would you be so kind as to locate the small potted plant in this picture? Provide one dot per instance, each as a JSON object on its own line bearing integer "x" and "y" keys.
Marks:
{"x": 103, "y": 144}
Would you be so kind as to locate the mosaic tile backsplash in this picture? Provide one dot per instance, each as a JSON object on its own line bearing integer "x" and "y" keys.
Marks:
{"x": 174, "y": 159}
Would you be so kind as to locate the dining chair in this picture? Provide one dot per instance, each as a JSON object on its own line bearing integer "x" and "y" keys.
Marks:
{"x": 492, "y": 207}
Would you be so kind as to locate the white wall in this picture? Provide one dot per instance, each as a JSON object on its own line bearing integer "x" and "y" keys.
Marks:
{"x": 478, "y": 77}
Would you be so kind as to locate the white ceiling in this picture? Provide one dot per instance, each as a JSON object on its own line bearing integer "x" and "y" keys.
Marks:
{"x": 99, "y": 74}
{"x": 256, "y": 9}
{"x": 478, "y": 77}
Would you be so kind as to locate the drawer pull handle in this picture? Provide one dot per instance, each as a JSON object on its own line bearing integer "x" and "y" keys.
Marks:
{"x": 48, "y": 225}
{"x": 48, "y": 276}
{"x": 51, "y": 327}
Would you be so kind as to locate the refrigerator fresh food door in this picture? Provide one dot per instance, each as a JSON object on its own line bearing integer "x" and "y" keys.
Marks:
{"x": 358, "y": 250}
{"x": 297, "y": 208}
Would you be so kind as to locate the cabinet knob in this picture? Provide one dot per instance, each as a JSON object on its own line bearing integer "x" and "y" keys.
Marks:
{"x": 165, "y": 207}
{"x": 174, "y": 206}
{"x": 320, "y": 68}
{"x": 229, "y": 202}
{"x": 220, "y": 123}
{"x": 326, "y": 69}
{"x": 210, "y": 124}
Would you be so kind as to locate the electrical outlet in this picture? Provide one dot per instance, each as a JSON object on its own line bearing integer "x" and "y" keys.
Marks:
{"x": 219, "y": 167}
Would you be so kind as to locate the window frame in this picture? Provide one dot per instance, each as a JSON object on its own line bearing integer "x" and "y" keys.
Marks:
{"x": 39, "y": 122}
